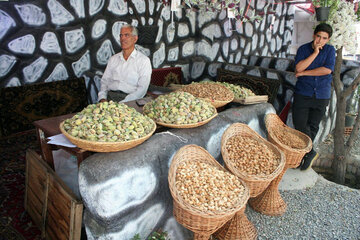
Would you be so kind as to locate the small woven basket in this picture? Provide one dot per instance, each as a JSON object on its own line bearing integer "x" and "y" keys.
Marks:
{"x": 105, "y": 146}
{"x": 217, "y": 103}
{"x": 203, "y": 224}
{"x": 256, "y": 183}
{"x": 293, "y": 156}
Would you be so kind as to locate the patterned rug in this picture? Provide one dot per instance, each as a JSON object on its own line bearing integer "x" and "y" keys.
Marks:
{"x": 15, "y": 223}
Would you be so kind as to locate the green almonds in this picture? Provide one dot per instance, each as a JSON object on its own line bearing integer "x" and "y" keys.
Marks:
{"x": 239, "y": 92}
{"x": 109, "y": 122}
{"x": 179, "y": 108}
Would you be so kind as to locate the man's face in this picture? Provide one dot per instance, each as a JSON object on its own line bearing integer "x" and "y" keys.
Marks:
{"x": 127, "y": 40}
{"x": 321, "y": 38}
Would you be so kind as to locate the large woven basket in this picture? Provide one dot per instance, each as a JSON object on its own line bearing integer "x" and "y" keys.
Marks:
{"x": 217, "y": 103}
{"x": 256, "y": 183}
{"x": 203, "y": 224}
{"x": 95, "y": 146}
{"x": 293, "y": 156}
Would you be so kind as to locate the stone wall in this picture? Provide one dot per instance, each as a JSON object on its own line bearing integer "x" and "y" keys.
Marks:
{"x": 50, "y": 40}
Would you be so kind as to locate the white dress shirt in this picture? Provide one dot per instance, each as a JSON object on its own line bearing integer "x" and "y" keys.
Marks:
{"x": 131, "y": 76}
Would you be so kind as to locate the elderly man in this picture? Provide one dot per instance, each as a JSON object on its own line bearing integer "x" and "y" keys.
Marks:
{"x": 127, "y": 74}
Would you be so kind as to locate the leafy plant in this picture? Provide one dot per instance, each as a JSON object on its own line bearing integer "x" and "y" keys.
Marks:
{"x": 333, "y": 4}
{"x": 136, "y": 237}
{"x": 154, "y": 236}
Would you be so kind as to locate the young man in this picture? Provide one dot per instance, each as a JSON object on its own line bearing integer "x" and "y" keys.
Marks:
{"x": 127, "y": 74}
{"x": 315, "y": 63}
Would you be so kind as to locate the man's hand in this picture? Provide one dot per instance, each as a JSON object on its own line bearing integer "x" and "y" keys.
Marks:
{"x": 318, "y": 47}
{"x": 103, "y": 100}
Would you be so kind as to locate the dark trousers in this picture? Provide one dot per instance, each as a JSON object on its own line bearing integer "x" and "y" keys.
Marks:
{"x": 307, "y": 113}
{"x": 116, "y": 96}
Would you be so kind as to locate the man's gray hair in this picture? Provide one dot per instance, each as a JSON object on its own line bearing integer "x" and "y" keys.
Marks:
{"x": 134, "y": 30}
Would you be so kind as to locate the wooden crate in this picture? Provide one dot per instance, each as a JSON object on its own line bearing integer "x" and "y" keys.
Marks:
{"x": 50, "y": 203}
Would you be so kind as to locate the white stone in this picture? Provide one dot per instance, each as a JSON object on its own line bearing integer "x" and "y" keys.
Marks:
{"x": 50, "y": 43}
{"x": 238, "y": 57}
{"x": 160, "y": 32}
{"x": 165, "y": 13}
{"x": 203, "y": 48}
{"x": 234, "y": 44}
{"x": 74, "y": 40}
{"x": 173, "y": 54}
{"x": 234, "y": 68}
{"x": 254, "y": 42}
{"x": 220, "y": 59}
{"x": 151, "y": 7}
{"x": 276, "y": 25}
{"x": 239, "y": 27}
{"x": 222, "y": 14}
{"x": 225, "y": 48}
{"x": 212, "y": 69}
{"x": 159, "y": 56}
{"x": 247, "y": 49}
{"x": 115, "y": 30}
{"x": 14, "y": 82}
{"x": 145, "y": 51}
{"x": 278, "y": 9}
{"x": 188, "y": 48}
{"x": 151, "y": 21}
{"x": 278, "y": 43}
{"x": 95, "y": 6}
{"x": 260, "y": 5}
{"x": 192, "y": 19}
{"x": 105, "y": 52}
{"x": 262, "y": 39}
{"x": 31, "y": 14}
{"x": 34, "y": 71}
{"x": 212, "y": 31}
{"x": 24, "y": 45}
{"x": 231, "y": 58}
{"x": 143, "y": 21}
{"x": 134, "y": 22}
{"x": 7, "y": 21}
{"x": 98, "y": 29}
{"x": 6, "y": 63}
{"x": 287, "y": 36}
{"x": 227, "y": 29}
{"x": 249, "y": 29}
{"x": 131, "y": 11}
{"x": 185, "y": 70}
{"x": 264, "y": 51}
{"x": 183, "y": 30}
{"x": 139, "y": 5}
{"x": 59, "y": 14}
{"x": 281, "y": 27}
{"x": 197, "y": 69}
{"x": 272, "y": 46}
{"x": 118, "y": 7}
{"x": 254, "y": 72}
{"x": 268, "y": 35}
{"x": 59, "y": 73}
{"x": 242, "y": 42}
{"x": 170, "y": 33}
{"x": 206, "y": 18}
{"x": 82, "y": 65}
{"x": 79, "y": 8}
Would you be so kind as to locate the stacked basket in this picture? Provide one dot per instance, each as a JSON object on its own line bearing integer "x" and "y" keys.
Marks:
{"x": 270, "y": 201}
{"x": 202, "y": 223}
{"x": 238, "y": 227}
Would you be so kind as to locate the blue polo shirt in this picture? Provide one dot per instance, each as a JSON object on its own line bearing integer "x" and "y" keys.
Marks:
{"x": 318, "y": 85}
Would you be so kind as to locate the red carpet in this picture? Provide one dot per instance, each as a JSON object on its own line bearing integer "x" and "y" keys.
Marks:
{"x": 15, "y": 223}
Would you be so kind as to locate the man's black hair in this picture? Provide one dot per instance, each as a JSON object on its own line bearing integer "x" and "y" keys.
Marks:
{"x": 324, "y": 27}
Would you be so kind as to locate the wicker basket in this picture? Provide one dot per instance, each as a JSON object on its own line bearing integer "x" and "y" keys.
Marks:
{"x": 191, "y": 125}
{"x": 105, "y": 146}
{"x": 293, "y": 156}
{"x": 256, "y": 183}
{"x": 201, "y": 223}
{"x": 217, "y": 103}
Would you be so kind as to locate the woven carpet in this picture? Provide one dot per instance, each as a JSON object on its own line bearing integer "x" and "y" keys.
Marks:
{"x": 15, "y": 223}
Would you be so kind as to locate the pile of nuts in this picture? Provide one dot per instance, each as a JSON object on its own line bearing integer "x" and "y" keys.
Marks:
{"x": 179, "y": 108}
{"x": 109, "y": 122}
{"x": 251, "y": 156}
{"x": 288, "y": 138}
{"x": 208, "y": 188}
{"x": 239, "y": 92}
{"x": 209, "y": 90}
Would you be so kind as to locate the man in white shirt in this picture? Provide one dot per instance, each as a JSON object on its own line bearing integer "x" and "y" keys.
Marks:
{"x": 127, "y": 74}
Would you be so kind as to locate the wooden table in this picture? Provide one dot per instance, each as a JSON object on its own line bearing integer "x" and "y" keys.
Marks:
{"x": 49, "y": 127}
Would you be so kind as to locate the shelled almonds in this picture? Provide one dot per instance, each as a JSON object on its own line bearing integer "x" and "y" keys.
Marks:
{"x": 251, "y": 156}
{"x": 288, "y": 138}
{"x": 209, "y": 90}
{"x": 179, "y": 108}
{"x": 206, "y": 187}
{"x": 109, "y": 122}
{"x": 239, "y": 91}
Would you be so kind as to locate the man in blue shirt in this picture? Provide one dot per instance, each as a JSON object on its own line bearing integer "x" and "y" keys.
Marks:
{"x": 315, "y": 63}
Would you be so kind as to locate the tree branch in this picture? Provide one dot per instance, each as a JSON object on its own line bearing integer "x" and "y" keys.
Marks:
{"x": 352, "y": 86}
{"x": 354, "y": 132}
{"x": 338, "y": 85}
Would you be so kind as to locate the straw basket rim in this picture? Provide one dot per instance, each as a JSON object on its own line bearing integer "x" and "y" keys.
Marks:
{"x": 190, "y": 125}
{"x": 232, "y": 131}
{"x": 217, "y": 103}
{"x": 95, "y": 146}
{"x": 177, "y": 159}
{"x": 272, "y": 119}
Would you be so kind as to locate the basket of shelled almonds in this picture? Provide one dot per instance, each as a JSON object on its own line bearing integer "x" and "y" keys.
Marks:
{"x": 250, "y": 157}
{"x": 205, "y": 195}
{"x": 217, "y": 94}
{"x": 108, "y": 127}
{"x": 293, "y": 143}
